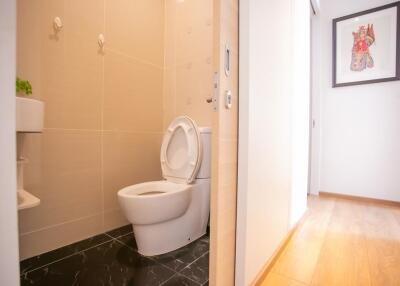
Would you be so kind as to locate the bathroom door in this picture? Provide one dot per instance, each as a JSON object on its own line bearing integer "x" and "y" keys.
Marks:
{"x": 225, "y": 142}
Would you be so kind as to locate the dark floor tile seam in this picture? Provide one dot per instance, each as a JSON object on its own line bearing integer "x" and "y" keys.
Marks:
{"x": 180, "y": 272}
{"x": 65, "y": 257}
{"x": 152, "y": 259}
{"x": 164, "y": 265}
{"x": 119, "y": 236}
{"x": 177, "y": 272}
{"x": 208, "y": 280}
{"x": 110, "y": 236}
{"x": 205, "y": 253}
{"x": 124, "y": 244}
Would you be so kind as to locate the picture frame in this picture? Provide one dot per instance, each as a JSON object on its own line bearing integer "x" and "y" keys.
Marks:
{"x": 366, "y": 46}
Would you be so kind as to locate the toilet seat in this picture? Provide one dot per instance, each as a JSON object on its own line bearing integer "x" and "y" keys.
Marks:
{"x": 181, "y": 151}
{"x": 141, "y": 201}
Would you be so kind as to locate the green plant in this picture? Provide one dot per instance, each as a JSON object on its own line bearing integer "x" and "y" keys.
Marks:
{"x": 23, "y": 86}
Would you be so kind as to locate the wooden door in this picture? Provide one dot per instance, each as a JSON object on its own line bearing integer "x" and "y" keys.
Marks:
{"x": 225, "y": 142}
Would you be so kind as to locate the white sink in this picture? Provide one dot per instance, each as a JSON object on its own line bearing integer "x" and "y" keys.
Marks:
{"x": 30, "y": 115}
{"x": 26, "y": 200}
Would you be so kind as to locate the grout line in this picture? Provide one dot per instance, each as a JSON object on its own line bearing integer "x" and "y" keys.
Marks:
{"x": 144, "y": 62}
{"x": 65, "y": 257}
{"x": 166, "y": 266}
{"x": 82, "y": 250}
{"x": 60, "y": 224}
{"x": 195, "y": 260}
{"x": 162, "y": 283}
{"x": 118, "y": 235}
{"x": 109, "y": 236}
{"x": 187, "y": 266}
{"x": 103, "y": 130}
{"x": 117, "y": 239}
{"x": 178, "y": 274}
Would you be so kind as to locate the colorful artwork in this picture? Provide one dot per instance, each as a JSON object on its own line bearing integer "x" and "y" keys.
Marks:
{"x": 361, "y": 57}
{"x": 366, "y": 46}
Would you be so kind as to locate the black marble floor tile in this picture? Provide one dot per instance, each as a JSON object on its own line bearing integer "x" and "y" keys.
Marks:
{"x": 120, "y": 231}
{"x": 51, "y": 256}
{"x": 198, "y": 270}
{"x": 180, "y": 280}
{"x": 111, "y": 263}
{"x": 128, "y": 240}
{"x": 180, "y": 258}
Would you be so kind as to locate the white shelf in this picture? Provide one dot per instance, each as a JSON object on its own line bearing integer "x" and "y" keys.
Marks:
{"x": 26, "y": 200}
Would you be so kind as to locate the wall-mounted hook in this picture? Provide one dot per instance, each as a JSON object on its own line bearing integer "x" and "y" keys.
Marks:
{"x": 57, "y": 24}
{"x": 101, "y": 40}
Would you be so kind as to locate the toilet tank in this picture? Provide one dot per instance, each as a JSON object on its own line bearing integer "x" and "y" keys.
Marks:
{"x": 205, "y": 168}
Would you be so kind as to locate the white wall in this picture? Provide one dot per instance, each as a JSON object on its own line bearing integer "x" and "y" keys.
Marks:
{"x": 315, "y": 106}
{"x": 9, "y": 266}
{"x": 360, "y": 125}
{"x": 266, "y": 205}
{"x": 300, "y": 107}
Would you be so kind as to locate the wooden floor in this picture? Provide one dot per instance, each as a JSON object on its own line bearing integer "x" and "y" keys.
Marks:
{"x": 342, "y": 242}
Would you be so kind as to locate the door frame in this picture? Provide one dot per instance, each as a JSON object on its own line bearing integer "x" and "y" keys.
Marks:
{"x": 9, "y": 258}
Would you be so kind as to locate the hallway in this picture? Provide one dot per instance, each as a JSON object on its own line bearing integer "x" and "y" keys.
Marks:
{"x": 341, "y": 242}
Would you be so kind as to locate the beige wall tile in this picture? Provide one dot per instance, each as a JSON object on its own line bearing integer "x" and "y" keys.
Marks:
{"x": 129, "y": 158}
{"x": 188, "y": 60}
{"x": 114, "y": 218}
{"x": 133, "y": 95}
{"x": 68, "y": 62}
{"x": 72, "y": 83}
{"x": 29, "y": 44}
{"x": 136, "y": 28}
{"x": 47, "y": 239}
{"x": 193, "y": 87}
{"x": 188, "y": 35}
{"x": 64, "y": 172}
{"x": 84, "y": 19}
{"x": 169, "y": 96}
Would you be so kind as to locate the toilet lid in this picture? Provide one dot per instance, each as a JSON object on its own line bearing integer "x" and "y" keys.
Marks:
{"x": 181, "y": 151}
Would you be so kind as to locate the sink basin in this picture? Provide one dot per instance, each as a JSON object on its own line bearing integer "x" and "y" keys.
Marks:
{"x": 26, "y": 200}
{"x": 30, "y": 115}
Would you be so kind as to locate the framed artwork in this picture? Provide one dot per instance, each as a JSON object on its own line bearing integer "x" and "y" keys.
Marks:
{"x": 366, "y": 46}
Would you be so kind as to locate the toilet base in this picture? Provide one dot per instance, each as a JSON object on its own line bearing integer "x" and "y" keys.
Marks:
{"x": 156, "y": 239}
{"x": 150, "y": 245}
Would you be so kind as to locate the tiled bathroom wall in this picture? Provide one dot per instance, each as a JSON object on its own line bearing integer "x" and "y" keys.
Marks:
{"x": 105, "y": 109}
{"x": 103, "y": 113}
{"x": 188, "y": 74}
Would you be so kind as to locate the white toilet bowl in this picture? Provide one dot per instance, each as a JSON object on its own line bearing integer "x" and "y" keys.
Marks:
{"x": 154, "y": 202}
{"x": 169, "y": 214}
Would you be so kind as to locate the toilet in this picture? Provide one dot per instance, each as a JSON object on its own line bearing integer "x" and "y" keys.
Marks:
{"x": 169, "y": 214}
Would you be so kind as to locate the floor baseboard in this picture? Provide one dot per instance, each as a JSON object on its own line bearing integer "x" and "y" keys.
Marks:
{"x": 271, "y": 262}
{"x": 359, "y": 198}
